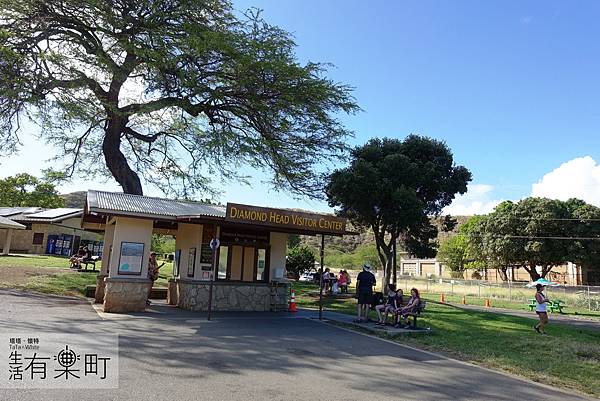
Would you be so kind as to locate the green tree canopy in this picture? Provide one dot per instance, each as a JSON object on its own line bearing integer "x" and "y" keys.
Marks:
{"x": 394, "y": 187}
{"x": 174, "y": 92}
{"x": 27, "y": 190}
{"x": 299, "y": 259}
{"x": 457, "y": 252}
{"x": 532, "y": 232}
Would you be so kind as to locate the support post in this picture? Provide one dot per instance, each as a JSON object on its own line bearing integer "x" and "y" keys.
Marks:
{"x": 321, "y": 277}
{"x": 395, "y": 261}
{"x": 6, "y": 248}
{"x": 214, "y": 245}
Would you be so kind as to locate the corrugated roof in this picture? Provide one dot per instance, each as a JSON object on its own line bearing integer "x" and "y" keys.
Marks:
{"x": 11, "y": 211}
{"x": 118, "y": 202}
{"x": 8, "y": 223}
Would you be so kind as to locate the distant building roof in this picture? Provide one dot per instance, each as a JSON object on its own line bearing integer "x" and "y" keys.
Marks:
{"x": 8, "y": 223}
{"x": 11, "y": 211}
{"x": 38, "y": 214}
{"x": 145, "y": 206}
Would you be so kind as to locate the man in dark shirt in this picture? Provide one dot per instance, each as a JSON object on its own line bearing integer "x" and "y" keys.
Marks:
{"x": 364, "y": 291}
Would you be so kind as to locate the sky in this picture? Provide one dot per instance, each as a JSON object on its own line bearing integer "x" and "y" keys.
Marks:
{"x": 512, "y": 87}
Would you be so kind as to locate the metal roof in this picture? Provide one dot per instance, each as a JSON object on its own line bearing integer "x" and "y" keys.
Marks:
{"x": 138, "y": 205}
{"x": 55, "y": 213}
{"x": 11, "y": 211}
{"x": 8, "y": 223}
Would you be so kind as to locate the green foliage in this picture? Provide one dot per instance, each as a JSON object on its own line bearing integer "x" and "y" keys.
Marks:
{"x": 537, "y": 232}
{"x": 162, "y": 244}
{"x": 353, "y": 260}
{"x": 299, "y": 259}
{"x": 26, "y": 190}
{"x": 457, "y": 252}
{"x": 173, "y": 92}
{"x": 394, "y": 187}
{"x": 293, "y": 240}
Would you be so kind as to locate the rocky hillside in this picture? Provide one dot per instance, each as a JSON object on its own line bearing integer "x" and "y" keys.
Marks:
{"x": 350, "y": 243}
{"x": 75, "y": 199}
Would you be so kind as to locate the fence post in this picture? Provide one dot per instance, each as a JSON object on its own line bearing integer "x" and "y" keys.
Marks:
{"x": 479, "y": 289}
{"x": 589, "y": 299}
{"x": 427, "y": 286}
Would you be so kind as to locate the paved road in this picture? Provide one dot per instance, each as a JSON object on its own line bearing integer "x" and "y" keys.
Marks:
{"x": 576, "y": 321}
{"x": 177, "y": 355}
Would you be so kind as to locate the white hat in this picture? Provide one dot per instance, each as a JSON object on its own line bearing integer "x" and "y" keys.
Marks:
{"x": 367, "y": 267}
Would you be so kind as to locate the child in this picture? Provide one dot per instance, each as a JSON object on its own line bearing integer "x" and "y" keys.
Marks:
{"x": 390, "y": 306}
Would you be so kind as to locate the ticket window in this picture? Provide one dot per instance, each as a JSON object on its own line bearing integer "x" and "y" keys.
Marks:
{"x": 242, "y": 263}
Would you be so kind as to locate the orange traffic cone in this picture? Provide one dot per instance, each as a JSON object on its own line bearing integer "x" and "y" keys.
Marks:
{"x": 464, "y": 300}
{"x": 442, "y": 298}
{"x": 488, "y": 304}
{"x": 293, "y": 307}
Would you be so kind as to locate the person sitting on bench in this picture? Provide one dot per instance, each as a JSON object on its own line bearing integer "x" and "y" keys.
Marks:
{"x": 411, "y": 306}
{"x": 394, "y": 300}
{"x": 76, "y": 258}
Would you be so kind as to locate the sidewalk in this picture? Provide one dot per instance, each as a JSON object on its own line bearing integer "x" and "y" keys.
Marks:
{"x": 577, "y": 321}
{"x": 349, "y": 319}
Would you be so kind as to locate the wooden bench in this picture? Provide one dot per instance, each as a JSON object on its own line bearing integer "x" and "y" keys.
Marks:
{"x": 92, "y": 261}
{"x": 417, "y": 312}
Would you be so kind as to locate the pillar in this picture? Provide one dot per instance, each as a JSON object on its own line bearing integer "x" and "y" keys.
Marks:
{"x": 6, "y": 248}
{"x": 109, "y": 233}
{"x": 127, "y": 284}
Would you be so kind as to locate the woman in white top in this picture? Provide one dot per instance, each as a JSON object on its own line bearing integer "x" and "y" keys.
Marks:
{"x": 540, "y": 308}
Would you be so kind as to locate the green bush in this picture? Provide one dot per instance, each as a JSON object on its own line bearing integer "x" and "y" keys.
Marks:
{"x": 299, "y": 259}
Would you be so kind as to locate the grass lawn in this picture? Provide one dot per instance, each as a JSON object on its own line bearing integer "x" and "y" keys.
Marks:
{"x": 568, "y": 357}
{"x": 50, "y": 274}
{"x": 47, "y": 261}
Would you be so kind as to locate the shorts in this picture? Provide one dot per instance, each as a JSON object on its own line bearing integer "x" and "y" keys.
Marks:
{"x": 365, "y": 297}
{"x": 543, "y": 316}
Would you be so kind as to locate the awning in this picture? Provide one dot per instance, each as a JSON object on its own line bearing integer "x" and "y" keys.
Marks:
{"x": 8, "y": 223}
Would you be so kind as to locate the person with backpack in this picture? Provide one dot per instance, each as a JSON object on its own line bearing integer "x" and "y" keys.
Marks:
{"x": 364, "y": 291}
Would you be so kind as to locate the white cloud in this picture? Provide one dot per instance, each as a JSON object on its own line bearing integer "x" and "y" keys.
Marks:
{"x": 477, "y": 200}
{"x": 577, "y": 178}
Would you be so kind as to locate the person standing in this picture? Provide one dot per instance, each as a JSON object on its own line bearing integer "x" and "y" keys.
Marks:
{"x": 152, "y": 273}
{"x": 326, "y": 279}
{"x": 364, "y": 291}
{"x": 540, "y": 308}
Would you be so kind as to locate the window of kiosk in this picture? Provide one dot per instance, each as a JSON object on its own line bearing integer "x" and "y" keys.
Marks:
{"x": 261, "y": 263}
{"x": 223, "y": 255}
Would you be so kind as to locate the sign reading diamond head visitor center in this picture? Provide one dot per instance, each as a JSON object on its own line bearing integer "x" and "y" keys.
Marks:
{"x": 285, "y": 218}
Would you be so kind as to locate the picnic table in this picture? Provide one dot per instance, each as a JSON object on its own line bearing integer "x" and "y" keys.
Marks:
{"x": 553, "y": 306}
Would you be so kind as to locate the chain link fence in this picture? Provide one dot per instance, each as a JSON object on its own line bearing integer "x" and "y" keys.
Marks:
{"x": 579, "y": 297}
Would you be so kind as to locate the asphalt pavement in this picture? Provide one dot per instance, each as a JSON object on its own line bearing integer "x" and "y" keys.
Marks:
{"x": 169, "y": 354}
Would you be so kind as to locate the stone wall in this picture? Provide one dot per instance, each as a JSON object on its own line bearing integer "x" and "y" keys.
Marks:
{"x": 100, "y": 285}
{"x": 125, "y": 294}
{"x": 227, "y": 296}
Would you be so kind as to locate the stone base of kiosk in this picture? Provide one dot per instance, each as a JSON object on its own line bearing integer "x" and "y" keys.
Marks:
{"x": 125, "y": 294}
{"x": 227, "y": 296}
{"x": 172, "y": 292}
{"x": 100, "y": 288}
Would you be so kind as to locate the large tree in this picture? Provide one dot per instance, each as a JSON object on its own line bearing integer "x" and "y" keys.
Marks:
{"x": 26, "y": 190}
{"x": 170, "y": 91}
{"x": 395, "y": 187}
{"x": 457, "y": 251}
{"x": 534, "y": 233}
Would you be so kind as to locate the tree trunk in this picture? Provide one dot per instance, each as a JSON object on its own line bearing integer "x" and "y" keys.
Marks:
{"x": 532, "y": 272}
{"x": 502, "y": 272}
{"x": 116, "y": 161}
